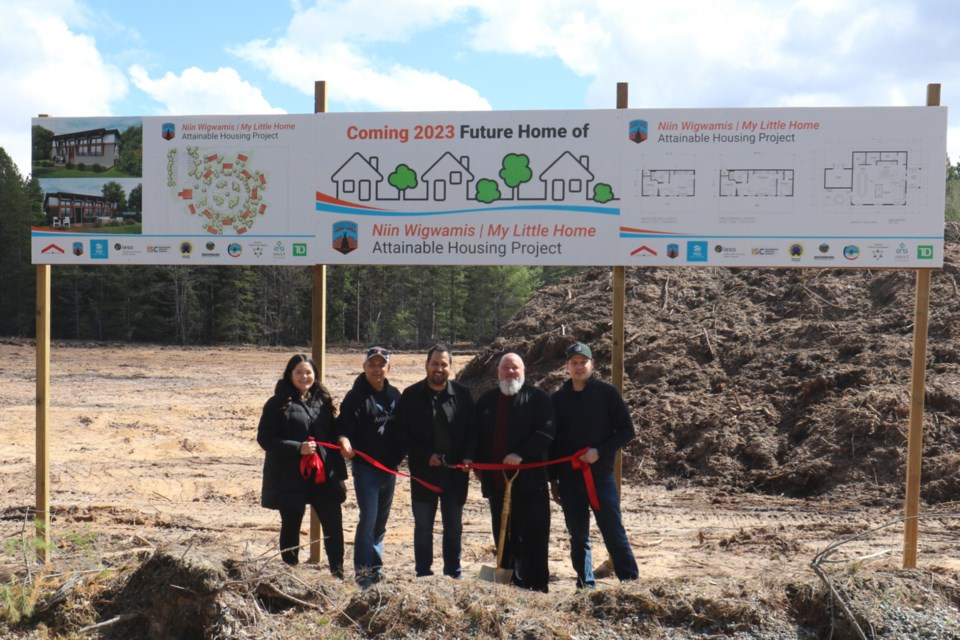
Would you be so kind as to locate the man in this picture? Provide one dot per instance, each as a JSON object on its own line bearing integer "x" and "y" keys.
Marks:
{"x": 591, "y": 415}
{"x": 436, "y": 423}
{"x": 365, "y": 422}
{"x": 515, "y": 422}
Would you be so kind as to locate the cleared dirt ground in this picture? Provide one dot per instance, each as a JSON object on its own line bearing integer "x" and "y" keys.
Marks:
{"x": 154, "y": 452}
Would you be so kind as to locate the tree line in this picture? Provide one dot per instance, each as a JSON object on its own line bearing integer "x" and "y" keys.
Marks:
{"x": 405, "y": 307}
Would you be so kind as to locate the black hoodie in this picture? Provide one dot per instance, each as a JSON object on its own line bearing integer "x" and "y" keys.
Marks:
{"x": 366, "y": 418}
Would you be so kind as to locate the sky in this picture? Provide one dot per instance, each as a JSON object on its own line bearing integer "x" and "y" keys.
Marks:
{"x": 93, "y": 58}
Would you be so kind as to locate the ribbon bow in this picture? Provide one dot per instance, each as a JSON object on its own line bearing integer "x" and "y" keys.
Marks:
{"x": 584, "y": 467}
{"x": 313, "y": 465}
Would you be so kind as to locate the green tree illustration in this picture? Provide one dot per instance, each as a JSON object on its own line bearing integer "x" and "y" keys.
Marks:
{"x": 403, "y": 178}
{"x": 602, "y": 192}
{"x": 515, "y": 171}
{"x": 488, "y": 190}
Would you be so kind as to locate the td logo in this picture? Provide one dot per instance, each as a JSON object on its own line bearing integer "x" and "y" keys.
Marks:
{"x": 925, "y": 252}
{"x": 299, "y": 249}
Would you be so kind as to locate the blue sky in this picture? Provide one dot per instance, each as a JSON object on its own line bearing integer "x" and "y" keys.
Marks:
{"x": 126, "y": 58}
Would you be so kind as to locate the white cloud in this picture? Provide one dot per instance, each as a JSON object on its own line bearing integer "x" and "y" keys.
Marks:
{"x": 367, "y": 21}
{"x": 49, "y": 68}
{"x": 682, "y": 53}
{"x": 393, "y": 87}
{"x": 328, "y": 40}
{"x": 197, "y": 91}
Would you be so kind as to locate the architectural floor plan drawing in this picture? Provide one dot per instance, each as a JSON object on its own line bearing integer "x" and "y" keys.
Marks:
{"x": 668, "y": 183}
{"x": 756, "y": 183}
{"x": 872, "y": 178}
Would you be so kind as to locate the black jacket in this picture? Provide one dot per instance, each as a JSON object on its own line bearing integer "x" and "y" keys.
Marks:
{"x": 416, "y": 430}
{"x": 285, "y": 423}
{"x": 366, "y": 418}
{"x": 595, "y": 417}
{"x": 530, "y": 433}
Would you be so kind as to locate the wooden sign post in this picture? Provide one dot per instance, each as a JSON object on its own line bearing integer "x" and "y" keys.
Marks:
{"x": 921, "y": 319}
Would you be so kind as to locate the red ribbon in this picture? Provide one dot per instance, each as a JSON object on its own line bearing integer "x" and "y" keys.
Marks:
{"x": 313, "y": 462}
{"x": 574, "y": 461}
{"x": 380, "y": 466}
{"x": 587, "y": 471}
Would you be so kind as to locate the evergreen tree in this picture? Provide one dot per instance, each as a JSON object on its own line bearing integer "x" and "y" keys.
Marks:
{"x": 20, "y": 208}
{"x": 953, "y": 191}
{"x": 130, "y": 161}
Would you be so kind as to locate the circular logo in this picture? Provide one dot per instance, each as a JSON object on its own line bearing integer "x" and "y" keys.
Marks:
{"x": 824, "y": 247}
{"x": 796, "y": 250}
{"x": 718, "y": 249}
{"x": 211, "y": 246}
{"x": 186, "y": 248}
{"x": 234, "y": 249}
{"x": 851, "y": 252}
{"x": 117, "y": 246}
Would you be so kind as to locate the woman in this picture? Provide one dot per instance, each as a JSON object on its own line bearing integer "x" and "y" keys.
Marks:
{"x": 302, "y": 408}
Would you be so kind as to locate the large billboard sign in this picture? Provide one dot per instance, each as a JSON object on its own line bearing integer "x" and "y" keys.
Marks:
{"x": 851, "y": 187}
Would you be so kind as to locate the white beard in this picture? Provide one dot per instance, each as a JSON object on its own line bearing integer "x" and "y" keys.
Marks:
{"x": 511, "y": 386}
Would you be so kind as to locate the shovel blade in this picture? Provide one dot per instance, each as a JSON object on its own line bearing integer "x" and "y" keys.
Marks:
{"x": 496, "y": 575}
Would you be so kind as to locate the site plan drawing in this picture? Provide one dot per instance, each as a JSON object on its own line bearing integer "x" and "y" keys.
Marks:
{"x": 222, "y": 192}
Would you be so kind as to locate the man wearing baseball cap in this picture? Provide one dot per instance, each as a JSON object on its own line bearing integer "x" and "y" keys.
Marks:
{"x": 591, "y": 415}
{"x": 365, "y": 422}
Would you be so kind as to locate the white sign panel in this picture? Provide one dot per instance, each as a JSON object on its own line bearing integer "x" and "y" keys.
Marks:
{"x": 854, "y": 187}
{"x": 526, "y": 187}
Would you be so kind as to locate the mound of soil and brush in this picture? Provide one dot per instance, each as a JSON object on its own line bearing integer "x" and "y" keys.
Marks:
{"x": 785, "y": 381}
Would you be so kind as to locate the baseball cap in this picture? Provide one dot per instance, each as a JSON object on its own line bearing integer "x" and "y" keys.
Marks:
{"x": 579, "y": 349}
{"x": 378, "y": 351}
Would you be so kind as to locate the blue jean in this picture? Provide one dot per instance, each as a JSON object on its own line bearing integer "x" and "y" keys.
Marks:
{"x": 374, "y": 490}
{"x": 576, "y": 513}
{"x": 451, "y": 516}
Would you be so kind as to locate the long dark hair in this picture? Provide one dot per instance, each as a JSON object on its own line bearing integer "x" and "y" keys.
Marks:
{"x": 287, "y": 389}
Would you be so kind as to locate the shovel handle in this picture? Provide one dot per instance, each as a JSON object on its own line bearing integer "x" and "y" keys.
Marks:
{"x": 505, "y": 513}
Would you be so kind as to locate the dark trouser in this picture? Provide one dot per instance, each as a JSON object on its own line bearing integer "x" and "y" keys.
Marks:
{"x": 576, "y": 513}
{"x": 374, "y": 490}
{"x": 451, "y": 515}
{"x": 331, "y": 523}
{"x": 528, "y": 537}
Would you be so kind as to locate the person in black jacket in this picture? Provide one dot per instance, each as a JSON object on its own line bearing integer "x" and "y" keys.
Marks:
{"x": 591, "y": 415}
{"x": 301, "y": 408}
{"x": 366, "y": 423}
{"x": 436, "y": 422}
{"x": 516, "y": 425}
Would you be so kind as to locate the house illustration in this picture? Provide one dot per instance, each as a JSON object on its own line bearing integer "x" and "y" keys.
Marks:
{"x": 567, "y": 178}
{"x": 358, "y": 179}
{"x": 96, "y": 146}
{"x": 447, "y": 176}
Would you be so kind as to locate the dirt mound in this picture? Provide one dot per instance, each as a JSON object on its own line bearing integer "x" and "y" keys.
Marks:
{"x": 181, "y": 594}
{"x": 781, "y": 381}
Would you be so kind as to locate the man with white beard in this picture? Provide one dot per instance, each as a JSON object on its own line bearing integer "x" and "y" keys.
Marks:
{"x": 516, "y": 425}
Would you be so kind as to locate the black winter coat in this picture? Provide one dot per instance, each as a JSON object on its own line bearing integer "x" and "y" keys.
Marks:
{"x": 415, "y": 429}
{"x": 529, "y": 435}
{"x": 595, "y": 417}
{"x": 287, "y": 422}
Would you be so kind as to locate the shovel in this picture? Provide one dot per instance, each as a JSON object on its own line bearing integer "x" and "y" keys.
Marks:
{"x": 496, "y": 574}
